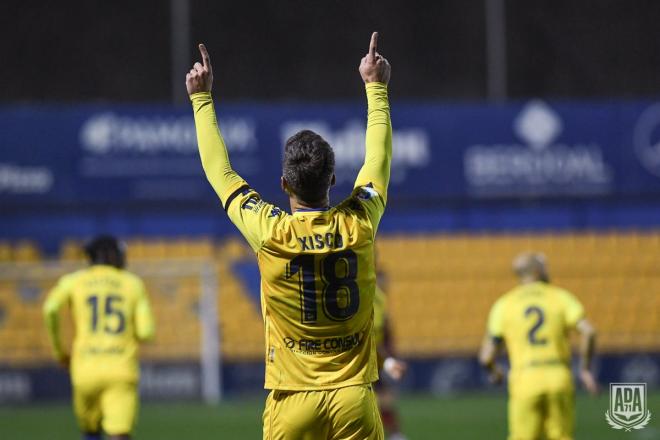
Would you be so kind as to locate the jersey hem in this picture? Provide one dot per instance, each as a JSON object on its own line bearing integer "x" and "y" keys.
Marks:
{"x": 334, "y": 386}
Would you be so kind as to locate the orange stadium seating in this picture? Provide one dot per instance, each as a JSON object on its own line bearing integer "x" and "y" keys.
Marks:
{"x": 446, "y": 285}
{"x": 440, "y": 289}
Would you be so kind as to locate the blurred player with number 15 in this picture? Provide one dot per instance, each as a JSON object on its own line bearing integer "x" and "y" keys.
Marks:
{"x": 112, "y": 315}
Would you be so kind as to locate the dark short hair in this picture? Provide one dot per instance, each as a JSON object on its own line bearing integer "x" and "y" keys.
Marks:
{"x": 308, "y": 166}
{"x": 106, "y": 249}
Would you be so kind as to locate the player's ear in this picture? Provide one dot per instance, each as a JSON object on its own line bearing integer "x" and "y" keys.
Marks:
{"x": 333, "y": 180}
{"x": 284, "y": 185}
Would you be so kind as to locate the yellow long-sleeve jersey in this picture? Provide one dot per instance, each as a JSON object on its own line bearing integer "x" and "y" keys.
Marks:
{"x": 111, "y": 314}
{"x": 317, "y": 266}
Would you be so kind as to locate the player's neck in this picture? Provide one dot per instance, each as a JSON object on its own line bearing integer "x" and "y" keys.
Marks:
{"x": 297, "y": 204}
{"x": 529, "y": 280}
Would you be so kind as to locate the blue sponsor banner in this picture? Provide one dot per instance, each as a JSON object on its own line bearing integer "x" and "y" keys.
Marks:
{"x": 182, "y": 380}
{"x": 449, "y": 375}
{"x": 123, "y": 154}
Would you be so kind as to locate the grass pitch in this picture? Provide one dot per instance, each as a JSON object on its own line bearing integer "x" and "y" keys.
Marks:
{"x": 464, "y": 417}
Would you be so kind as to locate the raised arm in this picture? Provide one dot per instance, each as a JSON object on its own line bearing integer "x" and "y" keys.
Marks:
{"x": 375, "y": 71}
{"x": 212, "y": 148}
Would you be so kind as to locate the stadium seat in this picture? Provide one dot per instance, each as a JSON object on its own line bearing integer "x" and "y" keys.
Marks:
{"x": 26, "y": 251}
{"x": 440, "y": 289}
{"x": 71, "y": 250}
{"x": 5, "y": 252}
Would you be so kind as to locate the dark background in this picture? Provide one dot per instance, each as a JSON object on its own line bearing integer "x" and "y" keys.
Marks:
{"x": 95, "y": 50}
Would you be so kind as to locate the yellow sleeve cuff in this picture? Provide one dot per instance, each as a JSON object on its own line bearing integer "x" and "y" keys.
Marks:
{"x": 375, "y": 86}
{"x": 201, "y": 96}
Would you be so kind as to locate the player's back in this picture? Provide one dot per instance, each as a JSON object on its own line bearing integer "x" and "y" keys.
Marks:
{"x": 103, "y": 302}
{"x": 535, "y": 321}
{"x": 318, "y": 283}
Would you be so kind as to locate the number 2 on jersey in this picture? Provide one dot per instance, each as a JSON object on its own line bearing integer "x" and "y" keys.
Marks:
{"x": 540, "y": 319}
{"x": 112, "y": 308}
{"x": 334, "y": 282}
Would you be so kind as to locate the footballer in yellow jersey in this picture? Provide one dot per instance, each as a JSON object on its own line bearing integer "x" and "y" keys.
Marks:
{"x": 112, "y": 315}
{"x": 317, "y": 266}
{"x": 533, "y": 321}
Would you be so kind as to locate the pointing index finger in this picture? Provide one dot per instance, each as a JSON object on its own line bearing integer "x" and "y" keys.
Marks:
{"x": 373, "y": 45}
{"x": 206, "y": 59}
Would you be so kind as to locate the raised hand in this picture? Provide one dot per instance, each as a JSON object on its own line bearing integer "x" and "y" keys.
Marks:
{"x": 200, "y": 77}
{"x": 373, "y": 67}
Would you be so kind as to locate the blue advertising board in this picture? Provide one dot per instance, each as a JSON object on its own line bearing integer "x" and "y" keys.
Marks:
{"x": 181, "y": 381}
{"x": 124, "y": 154}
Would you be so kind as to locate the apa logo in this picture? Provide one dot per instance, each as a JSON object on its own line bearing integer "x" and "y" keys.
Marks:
{"x": 628, "y": 406}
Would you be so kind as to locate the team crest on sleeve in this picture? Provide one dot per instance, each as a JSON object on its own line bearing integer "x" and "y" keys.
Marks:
{"x": 628, "y": 406}
{"x": 251, "y": 203}
{"x": 366, "y": 193}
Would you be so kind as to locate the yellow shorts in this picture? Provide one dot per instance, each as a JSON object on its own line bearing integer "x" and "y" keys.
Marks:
{"x": 550, "y": 416}
{"x": 348, "y": 413}
{"x": 110, "y": 406}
